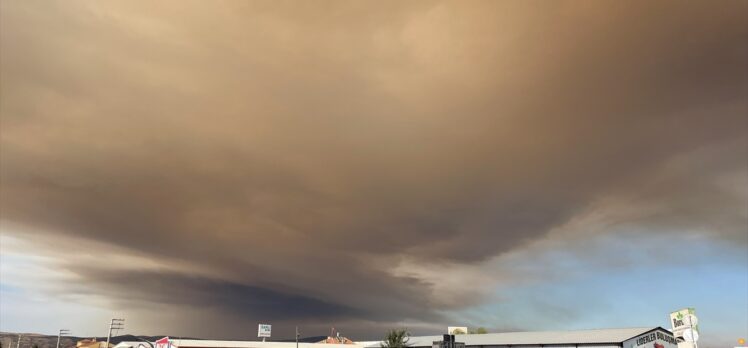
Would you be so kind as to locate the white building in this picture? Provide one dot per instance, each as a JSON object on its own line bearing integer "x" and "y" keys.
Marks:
{"x": 643, "y": 337}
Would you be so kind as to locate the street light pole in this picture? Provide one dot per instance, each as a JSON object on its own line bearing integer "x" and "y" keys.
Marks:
{"x": 297, "y": 337}
{"x": 62, "y": 332}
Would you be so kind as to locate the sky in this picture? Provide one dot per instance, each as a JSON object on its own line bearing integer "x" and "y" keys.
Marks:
{"x": 199, "y": 167}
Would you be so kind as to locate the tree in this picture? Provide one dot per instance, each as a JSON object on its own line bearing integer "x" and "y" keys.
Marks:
{"x": 396, "y": 338}
{"x": 480, "y": 330}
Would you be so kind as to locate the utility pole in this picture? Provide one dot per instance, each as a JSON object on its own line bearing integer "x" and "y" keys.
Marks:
{"x": 297, "y": 337}
{"x": 115, "y": 324}
{"x": 62, "y": 332}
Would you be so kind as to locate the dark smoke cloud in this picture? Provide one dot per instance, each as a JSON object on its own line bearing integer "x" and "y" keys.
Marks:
{"x": 183, "y": 290}
{"x": 300, "y": 152}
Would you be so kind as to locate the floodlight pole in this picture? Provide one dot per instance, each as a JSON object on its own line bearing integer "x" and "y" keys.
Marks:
{"x": 59, "y": 334}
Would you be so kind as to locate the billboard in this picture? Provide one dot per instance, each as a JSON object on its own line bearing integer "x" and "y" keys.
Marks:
{"x": 263, "y": 330}
{"x": 685, "y": 325}
{"x": 457, "y": 330}
{"x": 654, "y": 339}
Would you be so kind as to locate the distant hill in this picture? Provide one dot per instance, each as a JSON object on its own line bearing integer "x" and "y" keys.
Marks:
{"x": 312, "y": 339}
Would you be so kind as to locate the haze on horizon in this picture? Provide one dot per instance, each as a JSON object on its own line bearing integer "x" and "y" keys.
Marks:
{"x": 198, "y": 167}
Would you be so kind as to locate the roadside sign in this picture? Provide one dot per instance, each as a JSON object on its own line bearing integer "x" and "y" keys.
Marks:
{"x": 263, "y": 330}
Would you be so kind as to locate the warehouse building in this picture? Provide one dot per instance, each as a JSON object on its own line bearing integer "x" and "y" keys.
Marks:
{"x": 645, "y": 337}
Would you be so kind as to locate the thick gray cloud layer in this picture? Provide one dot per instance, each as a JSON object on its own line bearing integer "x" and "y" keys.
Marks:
{"x": 295, "y": 153}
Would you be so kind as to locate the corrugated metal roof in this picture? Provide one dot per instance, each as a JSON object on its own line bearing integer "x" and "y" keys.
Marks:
{"x": 536, "y": 337}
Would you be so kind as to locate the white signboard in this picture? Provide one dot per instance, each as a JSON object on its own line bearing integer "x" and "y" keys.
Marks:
{"x": 653, "y": 339}
{"x": 457, "y": 330}
{"x": 263, "y": 330}
{"x": 685, "y": 325}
